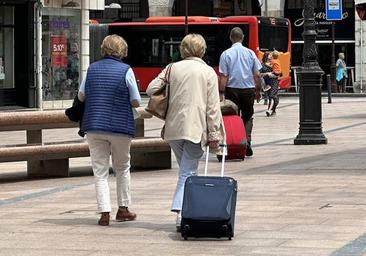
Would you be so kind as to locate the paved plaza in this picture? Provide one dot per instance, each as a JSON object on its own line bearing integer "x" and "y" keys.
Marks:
{"x": 293, "y": 200}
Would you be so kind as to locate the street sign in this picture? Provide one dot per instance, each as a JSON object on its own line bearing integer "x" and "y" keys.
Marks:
{"x": 333, "y": 9}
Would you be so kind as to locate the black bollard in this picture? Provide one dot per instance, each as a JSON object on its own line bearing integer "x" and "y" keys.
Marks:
{"x": 329, "y": 89}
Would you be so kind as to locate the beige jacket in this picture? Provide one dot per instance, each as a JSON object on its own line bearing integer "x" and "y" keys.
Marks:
{"x": 194, "y": 104}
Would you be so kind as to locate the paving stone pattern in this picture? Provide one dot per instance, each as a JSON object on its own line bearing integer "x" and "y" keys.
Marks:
{"x": 293, "y": 200}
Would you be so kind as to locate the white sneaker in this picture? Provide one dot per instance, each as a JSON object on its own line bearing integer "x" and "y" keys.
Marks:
{"x": 178, "y": 221}
{"x": 268, "y": 113}
{"x": 267, "y": 88}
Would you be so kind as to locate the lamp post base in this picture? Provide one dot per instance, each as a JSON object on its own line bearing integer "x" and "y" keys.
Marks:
{"x": 310, "y": 131}
{"x": 310, "y": 139}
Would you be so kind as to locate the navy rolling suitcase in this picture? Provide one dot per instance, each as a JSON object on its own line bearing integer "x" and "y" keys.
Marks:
{"x": 209, "y": 205}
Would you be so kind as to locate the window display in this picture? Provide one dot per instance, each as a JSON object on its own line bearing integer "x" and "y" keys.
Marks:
{"x": 6, "y": 47}
{"x": 60, "y": 53}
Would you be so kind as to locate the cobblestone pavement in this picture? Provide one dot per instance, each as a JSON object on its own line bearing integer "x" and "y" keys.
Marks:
{"x": 292, "y": 200}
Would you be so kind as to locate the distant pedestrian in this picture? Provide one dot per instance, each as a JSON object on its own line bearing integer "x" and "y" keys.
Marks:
{"x": 194, "y": 117}
{"x": 271, "y": 81}
{"x": 110, "y": 91}
{"x": 341, "y": 74}
{"x": 265, "y": 72}
{"x": 240, "y": 79}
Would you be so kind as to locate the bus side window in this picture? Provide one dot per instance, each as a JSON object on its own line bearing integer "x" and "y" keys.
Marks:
{"x": 155, "y": 47}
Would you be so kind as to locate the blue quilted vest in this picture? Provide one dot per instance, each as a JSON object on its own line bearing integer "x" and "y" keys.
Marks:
{"x": 107, "y": 99}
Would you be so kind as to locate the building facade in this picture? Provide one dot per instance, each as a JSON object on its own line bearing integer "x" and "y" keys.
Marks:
{"x": 44, "y": 50}
{"x": 349, "y": 36}
{"x": 17, "y": 76}
{"x": 43, "y": 60}
{"x": 349, "y": 32}
{"x": 344, "y": 36}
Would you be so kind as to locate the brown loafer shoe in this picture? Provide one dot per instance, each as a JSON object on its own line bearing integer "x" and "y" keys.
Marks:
{"x": 124, "y": 214}
{"x": 104, "y": 219}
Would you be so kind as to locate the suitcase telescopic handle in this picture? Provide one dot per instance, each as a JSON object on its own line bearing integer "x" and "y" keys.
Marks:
{"x": 222, "y": 162}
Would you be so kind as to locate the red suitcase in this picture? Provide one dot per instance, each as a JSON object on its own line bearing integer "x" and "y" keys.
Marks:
{"x": 236, "y": 138}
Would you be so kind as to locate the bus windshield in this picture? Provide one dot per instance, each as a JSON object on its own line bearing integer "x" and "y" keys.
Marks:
{"x": 158, "y": 45}
{"x": 272, "y": 37}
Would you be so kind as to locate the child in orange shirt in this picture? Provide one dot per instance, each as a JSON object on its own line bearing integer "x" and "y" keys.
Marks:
{"x": 273, "y": 92}
{"x": 276, "y": 65}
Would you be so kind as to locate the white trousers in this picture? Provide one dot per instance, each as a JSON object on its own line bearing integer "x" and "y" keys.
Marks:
{"x": 101, "y": 146}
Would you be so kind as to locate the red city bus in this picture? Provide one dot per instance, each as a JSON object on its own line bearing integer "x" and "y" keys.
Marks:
{"x": 154, "y": 43}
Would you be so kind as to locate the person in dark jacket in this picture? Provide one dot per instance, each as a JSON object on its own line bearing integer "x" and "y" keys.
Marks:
{"x": 271, "y": 80}
{"x": 110, "y": 92}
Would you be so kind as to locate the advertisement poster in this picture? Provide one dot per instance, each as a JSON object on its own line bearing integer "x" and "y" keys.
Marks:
{"x": 58, "y": 51}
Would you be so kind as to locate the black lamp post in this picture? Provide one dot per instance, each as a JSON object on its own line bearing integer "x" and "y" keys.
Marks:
{"x": 310, "y": 82}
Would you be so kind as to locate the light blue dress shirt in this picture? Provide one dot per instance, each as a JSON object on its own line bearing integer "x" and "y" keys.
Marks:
{"x": 239, "y": 64}
{"x": 131, "y": 85}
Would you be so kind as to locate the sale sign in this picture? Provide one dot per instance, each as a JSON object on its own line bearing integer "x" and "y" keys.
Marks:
{"x": 58, "y": 51}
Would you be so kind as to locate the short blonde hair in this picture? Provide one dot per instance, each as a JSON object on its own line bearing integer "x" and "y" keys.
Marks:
{"x": 114, "y": 45}
{"x": 275, "y": 54}
{"x": 192, "y": 45}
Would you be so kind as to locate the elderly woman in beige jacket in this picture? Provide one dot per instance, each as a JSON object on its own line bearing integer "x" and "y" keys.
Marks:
{"x": 194, "y": 117}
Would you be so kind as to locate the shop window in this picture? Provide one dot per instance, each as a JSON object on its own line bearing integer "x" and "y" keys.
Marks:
{"x": 60, "y": 53}
{"x": 222, "y": 8}
{"x": 121, "y": 10}
{"x": 6, "y": 47}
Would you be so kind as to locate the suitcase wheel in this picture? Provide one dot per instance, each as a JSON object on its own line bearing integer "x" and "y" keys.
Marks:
{"x": 225, "y": 229}
{"x": 185, "y": 230}
{"x": 230, "y": 235}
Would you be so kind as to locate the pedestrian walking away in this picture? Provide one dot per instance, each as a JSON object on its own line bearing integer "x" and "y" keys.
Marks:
{"x": 110, "y": 92}
{"x": 240, "y": 79}
{"x": 194, "y": 117}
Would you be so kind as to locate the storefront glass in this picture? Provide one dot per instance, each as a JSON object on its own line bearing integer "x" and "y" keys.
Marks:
{"x": 6, "y": 47}
{"x": 344, "y": 34}
{"x": 60, "y": 53}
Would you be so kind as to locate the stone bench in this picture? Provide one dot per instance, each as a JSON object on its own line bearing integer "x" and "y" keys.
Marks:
{"x": 52, "y": 159}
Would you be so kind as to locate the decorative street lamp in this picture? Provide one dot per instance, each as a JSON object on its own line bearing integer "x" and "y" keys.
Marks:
{"x": 310, "y": 82}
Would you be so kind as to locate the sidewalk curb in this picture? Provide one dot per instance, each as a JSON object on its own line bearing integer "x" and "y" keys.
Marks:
{"x": 324, "y": 94}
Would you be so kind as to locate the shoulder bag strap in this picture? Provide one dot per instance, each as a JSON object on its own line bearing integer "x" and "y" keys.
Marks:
{"x": 167, "y": 84}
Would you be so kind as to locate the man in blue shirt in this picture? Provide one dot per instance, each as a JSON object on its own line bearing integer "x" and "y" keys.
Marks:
{"x": 240, "y": 79}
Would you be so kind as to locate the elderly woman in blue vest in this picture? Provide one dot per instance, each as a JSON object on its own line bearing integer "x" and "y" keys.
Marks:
{"x": 110, "y": 92}
{"x": 194, "y": 116}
